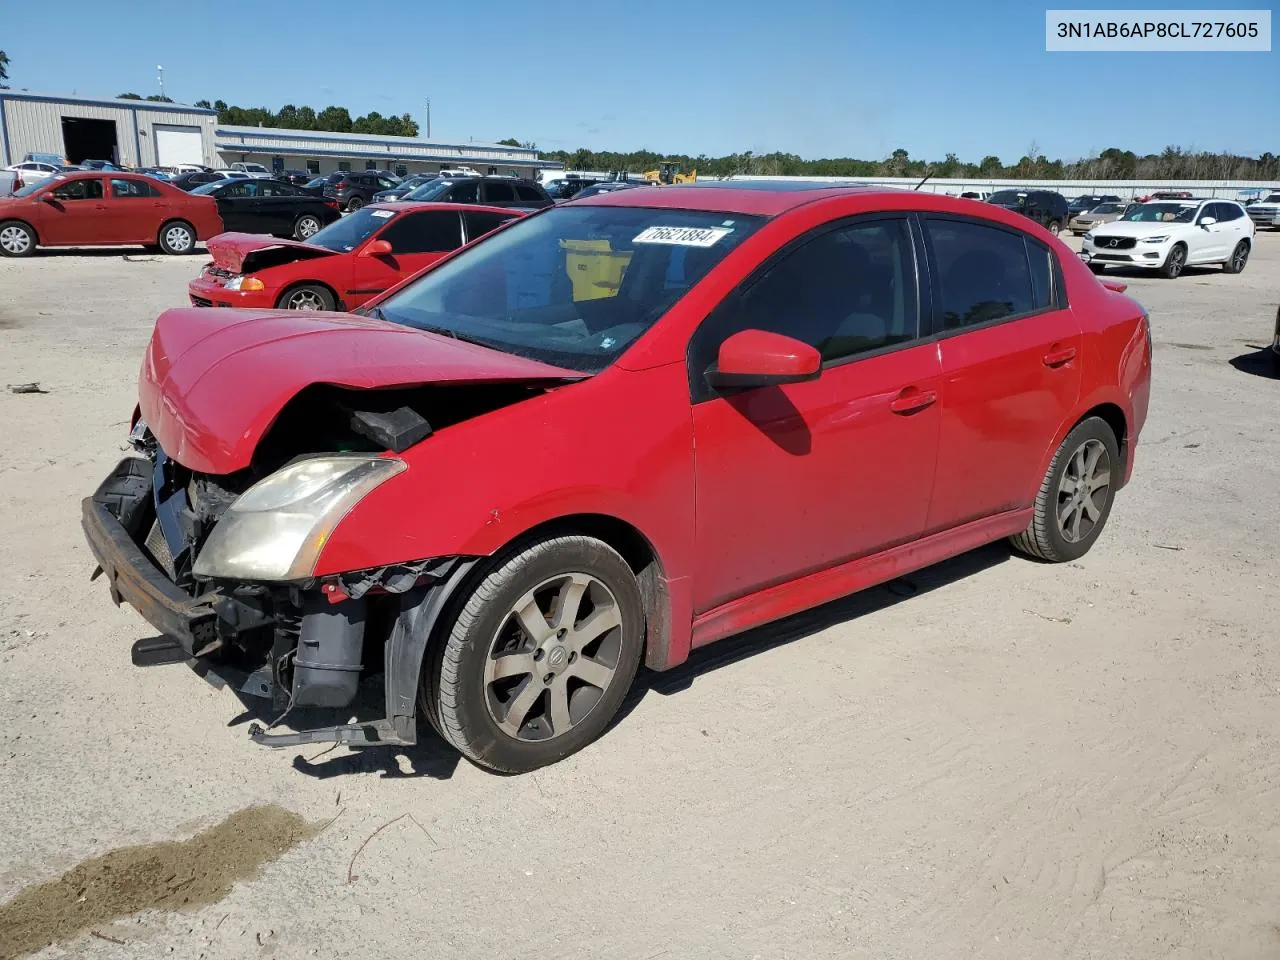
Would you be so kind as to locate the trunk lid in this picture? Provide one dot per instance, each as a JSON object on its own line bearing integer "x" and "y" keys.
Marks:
{"x": 248, "y": 252}
{"x": 213, "y": 381}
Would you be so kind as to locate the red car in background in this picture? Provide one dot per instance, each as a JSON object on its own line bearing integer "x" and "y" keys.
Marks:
{"x": 104, "y": 208}
{"x": 345, "y": 264}
{"x": 607, "y": 434}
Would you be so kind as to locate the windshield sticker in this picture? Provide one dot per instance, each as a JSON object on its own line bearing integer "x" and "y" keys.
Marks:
{"x": 383, "y": 214}
{"x": 683, "y": 236}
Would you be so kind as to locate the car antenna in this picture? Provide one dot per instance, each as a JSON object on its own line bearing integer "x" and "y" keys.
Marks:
{"x": 921, "y": 183}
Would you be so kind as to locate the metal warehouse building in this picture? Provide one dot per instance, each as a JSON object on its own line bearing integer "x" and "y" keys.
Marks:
{"x": 140, "y": 133}
{"x": 133, "y": 133}
{"x": 319, "y": 152}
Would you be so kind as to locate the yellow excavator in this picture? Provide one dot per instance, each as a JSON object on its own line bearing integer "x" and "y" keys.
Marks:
{"x": 668, "y": 172}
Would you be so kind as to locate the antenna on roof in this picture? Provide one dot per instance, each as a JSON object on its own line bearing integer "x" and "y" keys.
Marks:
{"x": 921, "y": 183}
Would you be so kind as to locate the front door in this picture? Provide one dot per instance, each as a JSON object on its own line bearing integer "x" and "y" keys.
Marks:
{"x": 1011, "y": 352}
{"x": 238, "y": 207}
{"x": 75, "y": 213}
{"x": 417, "y": 240}
{"x": 1211, "y": 241}
{"x": 794, "y": 479}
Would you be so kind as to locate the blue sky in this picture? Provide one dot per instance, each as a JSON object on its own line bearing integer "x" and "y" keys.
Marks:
{"x": 813, "y": 77}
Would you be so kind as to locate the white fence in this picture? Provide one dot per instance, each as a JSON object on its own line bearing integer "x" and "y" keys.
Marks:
{"x": 1126, "y": 189}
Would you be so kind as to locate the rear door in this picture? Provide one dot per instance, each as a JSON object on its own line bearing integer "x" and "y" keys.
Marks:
{"x": 75, "y": 214}
{"x": 279, "y": 206}
{"x": 1010, "y": 352}
{"x": 135, "y": 210}
{"x": 417, "y": 240}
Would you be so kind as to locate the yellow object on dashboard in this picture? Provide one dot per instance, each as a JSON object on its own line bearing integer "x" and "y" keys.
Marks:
{"x": 595, "y": 269}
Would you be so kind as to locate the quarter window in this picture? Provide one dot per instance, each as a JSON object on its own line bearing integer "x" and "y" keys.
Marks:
{"x": 526, "y": 192}
{"x": 1041, "y": 260}
{"x": 983, "y": 273}
{"x": 846, "y": 292}
{"x": 433, "y": 232}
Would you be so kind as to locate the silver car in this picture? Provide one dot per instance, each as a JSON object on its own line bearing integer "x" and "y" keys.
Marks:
{"x": 1102, "y": 213}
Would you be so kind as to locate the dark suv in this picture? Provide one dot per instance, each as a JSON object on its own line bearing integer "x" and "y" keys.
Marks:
{"x": 491, "y": 191}
{"x": 354, "y": 190}
{"x": 1046, "y": 207}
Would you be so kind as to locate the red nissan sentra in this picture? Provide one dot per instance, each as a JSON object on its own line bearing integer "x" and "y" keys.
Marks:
{"x": 343, "y": 265}
{"x": 608, "y": 433}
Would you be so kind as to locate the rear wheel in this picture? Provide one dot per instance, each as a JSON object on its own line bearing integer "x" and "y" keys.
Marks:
{"x": 308, "y": 226}
{"x": 16, "y": 239}
{"x": 177, "y": 237}
{"x": 1174, "y": 262}
{"x": 354, "y": 204}
{"x": 1075, "y": 496}
{"x": 1239, "y": 257}
{"x": 308, "y": 296}
{"x": 1055, "y": 227}
{"x": 540, "y": 657}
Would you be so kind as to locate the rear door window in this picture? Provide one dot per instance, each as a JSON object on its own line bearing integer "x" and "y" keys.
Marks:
{"x": 480, "y": 222}
{"x": 982, "y": 272}
{"x": 132, "y": 188}
{"x": 495, "y": 191}
{"x": 468, "y": 191}
{"x": 526, "y": 192}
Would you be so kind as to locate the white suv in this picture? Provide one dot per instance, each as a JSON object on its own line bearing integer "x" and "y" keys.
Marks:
{"x": 1167, "y": 235}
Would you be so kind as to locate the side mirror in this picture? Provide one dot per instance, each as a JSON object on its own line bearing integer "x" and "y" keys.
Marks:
{"x": 376, "y": 248}
{"x": 48, "y": 197}
{"x": 757, "y": 358}
{"x": 1208, "y": 221}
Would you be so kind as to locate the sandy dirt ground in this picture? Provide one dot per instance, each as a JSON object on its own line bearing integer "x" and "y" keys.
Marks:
{"x": 997, "y": 758}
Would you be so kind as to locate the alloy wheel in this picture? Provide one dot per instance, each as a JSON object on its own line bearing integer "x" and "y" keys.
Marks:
{"x": 1176, "y": 257}
{"x": 553, "y": 657}
{"x": 304, "y": 300}
{"x": 308, "y": 227}
{"x": 1239, "y": 257}
{"x": 1082, "y": 491}
{"x": 15, "y": 240}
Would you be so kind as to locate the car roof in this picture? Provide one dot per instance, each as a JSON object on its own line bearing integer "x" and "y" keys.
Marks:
{"x": 402, "y": 206}
{"x": 761, "y": 197}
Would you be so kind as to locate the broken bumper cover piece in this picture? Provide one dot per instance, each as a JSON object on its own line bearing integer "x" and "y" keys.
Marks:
{"x": 134, "y": 579}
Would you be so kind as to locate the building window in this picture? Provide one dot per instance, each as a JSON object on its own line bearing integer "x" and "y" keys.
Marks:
{"x": 402, "y": 170}
{"x": 277, "y": 165}
{"x": 371, "y": 164}
{"x": 492, "y": 171}
{"x": 344, "y": 166}
{"x": 313, "y": 167}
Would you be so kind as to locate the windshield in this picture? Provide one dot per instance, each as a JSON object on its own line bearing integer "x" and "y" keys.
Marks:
{"x": 208, "y": 188}
{"x": 1007, "y": 198}
{"x": 317, "y": 182}
{"x": 430, "y": 191}
{"x": 1161, "y": 213}
{"x": 35, "y": 185}
{"x": 574, "y": 286}
{"x": 343, "y": 236}
{"x": 1273, "y": 198}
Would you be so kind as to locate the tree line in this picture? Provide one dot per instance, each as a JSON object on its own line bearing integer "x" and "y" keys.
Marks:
{"x": 330, "y": 119}
{"x": 1173, "y": 163}
{"x": 4, "y": 69}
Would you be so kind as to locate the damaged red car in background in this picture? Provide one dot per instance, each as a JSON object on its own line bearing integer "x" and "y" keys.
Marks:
{"x": 606, "y": 434}
{"x": 342, "y": 266}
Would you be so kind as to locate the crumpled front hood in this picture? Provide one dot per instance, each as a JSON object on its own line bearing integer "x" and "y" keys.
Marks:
{"x": 247, "y": 252}
{"x": 213, "y": 381}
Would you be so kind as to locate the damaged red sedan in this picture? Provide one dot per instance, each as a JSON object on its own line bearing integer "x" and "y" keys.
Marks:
{"x": 607, "y": 434}
{"x": 343, "y": 265}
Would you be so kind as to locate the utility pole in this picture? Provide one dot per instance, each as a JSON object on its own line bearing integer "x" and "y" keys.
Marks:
{"x": 428, "y": 118}
{"x": 160, "y": 77}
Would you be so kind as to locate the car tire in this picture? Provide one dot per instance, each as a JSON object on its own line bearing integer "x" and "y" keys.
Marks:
{"x": 470, "y": 699}
{"x": 1098, "y": 268}
{"x": 1173, "y": 264}
{"x": 354, "y": 204}
{"x": 1275, "y": 361}
{"x": 177, "y": 238}
{"x": 17, "y": 239}
{"x": 307, "y": 226}
{"x": 307, "y": 296}
{"x": 1070, "y": 515}
{"x": 1239, "y": 258}
{"x": 1055, "y": 227}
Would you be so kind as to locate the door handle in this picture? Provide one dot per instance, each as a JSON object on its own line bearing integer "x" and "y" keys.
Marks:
{"x": 910, "y": 400}
{"x": 1056, "y": 358}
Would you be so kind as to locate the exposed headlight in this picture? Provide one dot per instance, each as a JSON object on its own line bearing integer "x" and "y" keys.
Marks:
{"x": 1160, "y": 239}
{"x": 1089, "y": 235}
{"x": 276, "y": 529}
{"x": 244, "y": 283}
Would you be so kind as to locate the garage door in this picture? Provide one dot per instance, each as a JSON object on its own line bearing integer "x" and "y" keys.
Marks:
{"x": 175, "y": 145}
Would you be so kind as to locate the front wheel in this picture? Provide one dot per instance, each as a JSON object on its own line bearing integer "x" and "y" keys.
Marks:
{"x": 310, "y": 296}
{"x": 1174, "y": 262}
{"x": 16, "y": 239}
{"x": 177, "y": 237}
{"x": 1055, "y": 227}
{"x": 540, "y": 657}
{"x": 1075, "y": 497}
{"x": 1239, "y": 257}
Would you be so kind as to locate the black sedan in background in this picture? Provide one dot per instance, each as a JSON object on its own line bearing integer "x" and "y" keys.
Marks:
{"x": 189, "y": 181}
{"x": 609, "y": 186}
{"x": 270, "y": 206}
{"x": 512, "y": 192}
{"x": 404, "y": 187}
